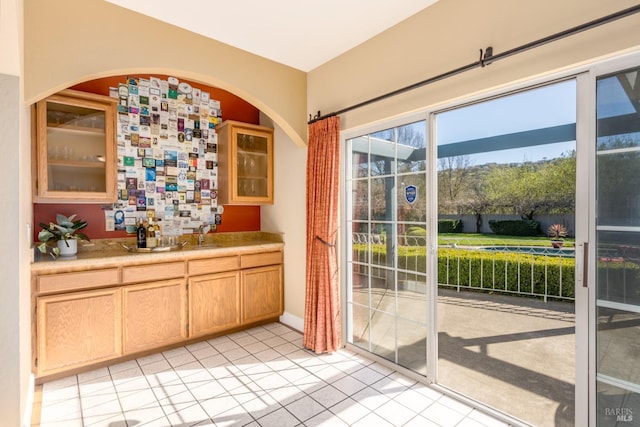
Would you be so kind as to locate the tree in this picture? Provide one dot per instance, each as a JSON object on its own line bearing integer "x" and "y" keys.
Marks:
{"x": 453, "y": 180}
{"x": 530, "y": 189}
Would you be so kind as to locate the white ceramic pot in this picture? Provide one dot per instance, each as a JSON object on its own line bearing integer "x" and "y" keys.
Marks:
{"x": 69, "y": 250}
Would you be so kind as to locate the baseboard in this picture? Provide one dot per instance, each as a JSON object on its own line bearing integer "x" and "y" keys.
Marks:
{"x": 28, "y": 405}
{"x": 292, "y": 321}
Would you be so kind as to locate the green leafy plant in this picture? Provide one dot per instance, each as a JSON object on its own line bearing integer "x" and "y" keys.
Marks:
{"x": 450, "y": 226}
{"x": 65, "y": 228}
{"x": 514, "y": 227}
{"x": 557, "y": 232}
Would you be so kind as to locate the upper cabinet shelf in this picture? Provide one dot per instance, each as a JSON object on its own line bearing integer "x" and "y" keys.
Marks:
{"x": 245, "y": 164}
{"x": 75, "y": 146}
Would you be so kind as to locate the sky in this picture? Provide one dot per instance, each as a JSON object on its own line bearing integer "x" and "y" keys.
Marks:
{"x": 533, "y": 109}
{"x": 546, "y": 106}
{"x": 539, "y": 108}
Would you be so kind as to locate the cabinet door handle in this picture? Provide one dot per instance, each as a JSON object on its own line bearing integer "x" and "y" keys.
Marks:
{"x": 585, "y": 264}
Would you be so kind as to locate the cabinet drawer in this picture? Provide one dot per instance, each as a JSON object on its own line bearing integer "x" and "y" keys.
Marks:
{"x": 77, "y": 280}
{"x": 146, "y": 273}
{"x": 214, "y": 265}
{"x": 257, "y": 260}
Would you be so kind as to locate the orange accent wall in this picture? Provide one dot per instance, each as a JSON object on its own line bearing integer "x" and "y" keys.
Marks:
{"x": 233, "y": 107}
{"x": 234, "y": 218}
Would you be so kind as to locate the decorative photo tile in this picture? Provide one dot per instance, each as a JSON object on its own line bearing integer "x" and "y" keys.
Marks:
{"x": 167, "y": 155}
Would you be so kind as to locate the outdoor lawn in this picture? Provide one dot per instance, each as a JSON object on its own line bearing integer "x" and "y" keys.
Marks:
{"x": 477, "y": 239}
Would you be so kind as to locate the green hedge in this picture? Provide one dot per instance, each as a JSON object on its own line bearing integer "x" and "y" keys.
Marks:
{"x": 618, "y": 279}
{"x": 450, "y": 226}
{"x": 415, "y": 230}
{"x": 415, "y": 236}
{"x": 515, "y": 227}
{"x": 480, "y": 269}
{"x": 503, "y": 271}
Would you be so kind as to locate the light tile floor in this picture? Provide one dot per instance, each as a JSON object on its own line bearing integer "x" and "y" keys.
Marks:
{"x": 258, "y": 377}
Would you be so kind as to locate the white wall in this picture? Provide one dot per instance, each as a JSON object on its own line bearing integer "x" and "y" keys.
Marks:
{"x": 288, "y": 215}
{"x": 15, "y": 321}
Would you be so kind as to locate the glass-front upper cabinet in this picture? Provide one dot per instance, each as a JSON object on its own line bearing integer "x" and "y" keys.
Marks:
{"x": 245, "y": 164}
{"x": 76, "y": 154}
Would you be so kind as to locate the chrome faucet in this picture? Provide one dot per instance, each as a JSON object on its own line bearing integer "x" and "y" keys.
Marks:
{"x": 201, "y": 233}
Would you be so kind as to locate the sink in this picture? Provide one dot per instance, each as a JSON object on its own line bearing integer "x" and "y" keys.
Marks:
{"x": 203, "y": 246}
{"x": 156, "y": 249}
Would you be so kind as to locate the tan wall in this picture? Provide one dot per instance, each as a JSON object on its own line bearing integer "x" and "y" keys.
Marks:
{"x": 10, "y": 12}
{"x": 15, "y": 331}
{"x": 288, "y": 215}
{"x": 70, "y": 41}
{"x": 449, "y": 35}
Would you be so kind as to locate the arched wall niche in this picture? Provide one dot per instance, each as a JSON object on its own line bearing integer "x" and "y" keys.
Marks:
{"x": 235, "y": 218}
{"x": 68, "y": 42}
{"x": 234, "y": 107}
{"x": 245, "y": 107}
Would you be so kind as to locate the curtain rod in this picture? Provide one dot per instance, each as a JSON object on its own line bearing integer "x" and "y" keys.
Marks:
{"x": 487, "y": 57}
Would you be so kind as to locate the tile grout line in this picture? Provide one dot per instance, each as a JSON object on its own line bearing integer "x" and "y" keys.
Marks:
{"x": 391, "y": 384}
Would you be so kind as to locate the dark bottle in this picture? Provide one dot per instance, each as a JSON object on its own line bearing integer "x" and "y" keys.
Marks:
{"x": 142, "y": 235}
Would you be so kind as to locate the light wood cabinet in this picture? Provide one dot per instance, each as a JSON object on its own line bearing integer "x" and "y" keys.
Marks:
{"x": 76, "y": 148}
{"x": 80, "y": 280}
{"x": 150, "y": 272}
{"x": 262, "y": 293}
{"x": 77, "y": 329}
{"x": 154, "y": 314}
{"x": 260, "y": 259}
{"x": 213, "y": 265}
{"x": 135, "y": 308}
{"x": 245, "y": 164}
{"x": 214, "y": 303}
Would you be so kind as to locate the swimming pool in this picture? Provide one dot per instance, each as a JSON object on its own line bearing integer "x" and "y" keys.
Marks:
{"x": 533, "y": 250}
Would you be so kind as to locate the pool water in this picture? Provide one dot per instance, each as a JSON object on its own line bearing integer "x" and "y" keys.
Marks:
{"x": 533, "y": 250}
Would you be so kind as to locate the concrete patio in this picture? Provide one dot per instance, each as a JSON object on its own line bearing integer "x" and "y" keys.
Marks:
{"x": 514, "y": 354}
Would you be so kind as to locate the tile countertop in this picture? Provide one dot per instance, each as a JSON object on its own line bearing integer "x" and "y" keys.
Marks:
{"x": 108, "y": 252}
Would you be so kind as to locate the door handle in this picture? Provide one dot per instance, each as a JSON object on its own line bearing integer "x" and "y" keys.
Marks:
{"x": 585, "y": 264}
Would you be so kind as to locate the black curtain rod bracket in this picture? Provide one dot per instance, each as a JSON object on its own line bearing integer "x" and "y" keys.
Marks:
{"x": 319, "y": 116}
{"x": 486, "y": 58}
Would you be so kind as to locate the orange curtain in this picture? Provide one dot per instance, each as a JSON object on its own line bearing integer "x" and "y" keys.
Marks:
{"x": 322, "y": 323}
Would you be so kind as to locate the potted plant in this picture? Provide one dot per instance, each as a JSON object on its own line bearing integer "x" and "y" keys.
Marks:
{"x": 65, "y": 233}
{"x": 557, "y": 233}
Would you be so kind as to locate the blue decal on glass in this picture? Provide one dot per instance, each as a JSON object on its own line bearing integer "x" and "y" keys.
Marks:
{"x": 410, "y": 193}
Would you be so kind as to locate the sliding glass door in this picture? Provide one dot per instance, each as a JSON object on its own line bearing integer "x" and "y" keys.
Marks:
{"x": 494, "y": 247}
{"x": 617, "y": 254}
{"x": 506, "y": 289}
{"x": 386, "y": 222}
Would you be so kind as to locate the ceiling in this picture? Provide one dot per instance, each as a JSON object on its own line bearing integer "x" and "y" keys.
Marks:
{"x": 296, "y": 33}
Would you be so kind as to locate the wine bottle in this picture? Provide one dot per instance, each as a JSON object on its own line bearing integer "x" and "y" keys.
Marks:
{"x": 152, "y": 242}
{"x": 141, "y": 235}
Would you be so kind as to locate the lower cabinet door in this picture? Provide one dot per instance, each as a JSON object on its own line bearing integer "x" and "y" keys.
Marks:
{"x": 77, "y": 329}
{"x": 262, "y": 293}
{"x": 154, "y": 314}
{"x": 214, "y": 303}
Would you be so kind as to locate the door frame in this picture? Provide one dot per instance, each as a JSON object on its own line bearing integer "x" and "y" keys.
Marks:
{"x": 610, "y": 66}
{"x": 583, "y": 115}
{"x": 585, "y": 75}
